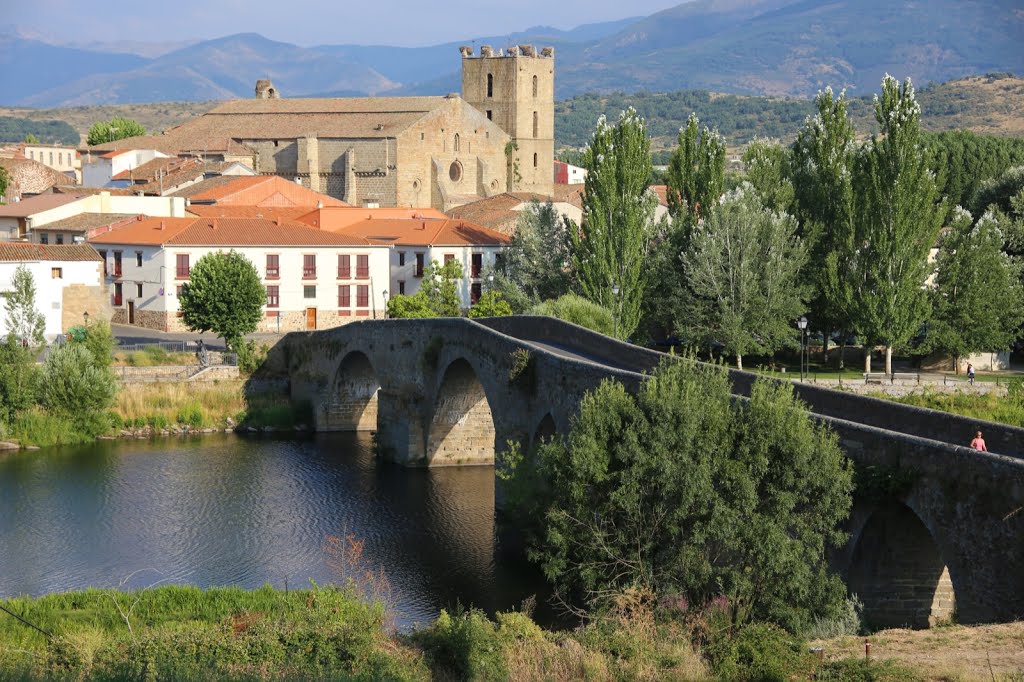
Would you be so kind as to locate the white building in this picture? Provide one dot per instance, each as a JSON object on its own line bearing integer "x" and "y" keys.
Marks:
{"x": 99, "y": 171}
{"x": 315, "y": 279}
{"x": 68, "y": 281}
{"x": 58, "y": 157}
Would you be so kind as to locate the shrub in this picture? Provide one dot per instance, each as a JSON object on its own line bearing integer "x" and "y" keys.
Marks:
{"x": 860, "y": 670}
{"x": 465, "y": 644}
{"x": 760, "y": 652}
{"x": 250, "y": 356}
{"x": 191, "y": 415}
{"x": 578, "y": 310}
{"x": 74, "y": 383}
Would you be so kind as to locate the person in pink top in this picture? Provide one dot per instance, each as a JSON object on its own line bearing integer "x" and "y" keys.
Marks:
{"x": 979, "y": 443}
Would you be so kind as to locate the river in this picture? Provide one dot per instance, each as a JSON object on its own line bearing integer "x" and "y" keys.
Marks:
{"x": 229, "y": 510}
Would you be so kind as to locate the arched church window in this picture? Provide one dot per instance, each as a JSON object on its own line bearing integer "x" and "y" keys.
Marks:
{"x": 536, "y": 124}
{"x": 490, "y": 85}
{"x": 455, "y": 145}
{"x": 534, "y": 86}
{"x": 534, "y": 160}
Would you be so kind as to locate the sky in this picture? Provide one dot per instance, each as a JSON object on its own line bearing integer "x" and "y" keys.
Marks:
{"x": 310, "y": 22}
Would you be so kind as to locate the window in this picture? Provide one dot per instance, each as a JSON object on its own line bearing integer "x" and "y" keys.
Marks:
{"x": 419, "y": 265}
{"x": 273, "y": 266}
{"x": 45, "y": 239}
{"x": 477, "y": 264}
{"x": 535, "y": 160}
{"x": 362, "y": 266}
{"x": 448, "y": 258}
{"x": 344, "y": 296}
{"x": 344, "y": 267}
{"x": 309, "y": 266}
{"x": 181, "y": 269}
{"x": 455, "y": 171}
{"x": 490, "y": 117}
{"x": 57, "y": 273}
{"x": 401, "y": 286}
{"x": 117, "y": 263}
{"x": 401, "y": 258}
{"x": 118, "y": 299}
{"x": 499, "y": 261}
{"x": 309, "y": 291}
{"x": 534, "y": 86}
{"x": 273, "y": 297}
{"x": 474, "y": 293}
{"x": 362, "y": 296}
{"x": 490, "y": 85}
{"x": 455, "y": 145}
{"x": 138, "y": 259}
{"x": 60, "y": 239}
{"x": 51, "y": 158}
{"x": 178, "y": 289}
{"x": 422, "y": 136}
{"x": 536, "y": 124}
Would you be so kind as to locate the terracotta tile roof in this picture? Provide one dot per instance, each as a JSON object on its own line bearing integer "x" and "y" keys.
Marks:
{"x": 662, "y": 192}
{"x": 23, "y": 251}
{"x": 331, "y": 105}
{"x": 570, "y": 194}
{"x": 83, "y": 191}
{"x": 497, "y": 212}
{"x": 226, "y": 232}
{"x": 85, "y": 222}
{"x": 150, "y": 170}
{"x": 406, "y": 232}
{"x": 119, "y": 152}
{"x": 286, "y": 213}
{"x": 36, "y": 204}
{"x": 256, "y": 190}
{"x": 338, "y": 217}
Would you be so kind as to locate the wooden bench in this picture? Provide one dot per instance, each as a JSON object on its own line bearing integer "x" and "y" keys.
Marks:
{"x": 882, "y": 377}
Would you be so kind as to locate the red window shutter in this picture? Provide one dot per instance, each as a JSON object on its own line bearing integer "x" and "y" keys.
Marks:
{"x": 344, "y": 296}
{"x": 309, "y": 266}
{"x": 362, "y": 296}
{"x": 362, "y": 266}
{"x": 344, "y": 267}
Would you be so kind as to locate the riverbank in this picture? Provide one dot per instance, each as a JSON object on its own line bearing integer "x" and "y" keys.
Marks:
{"x": 175, "y": 632}
{"x": 161, "y": 409}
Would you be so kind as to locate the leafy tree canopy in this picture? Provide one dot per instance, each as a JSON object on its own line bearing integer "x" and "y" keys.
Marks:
{"x": 23, "y": 320}
{"x": 491, "y": 304}
{"x": 438, "y": 295}
{"x": 224, "y": 295}
{"x": 117, "y": 128}
{"x": 683, "y": 490}
{"x": 536, "y": 262}
{"x": 578, "y": 310}
{"x": 13, "y": 129}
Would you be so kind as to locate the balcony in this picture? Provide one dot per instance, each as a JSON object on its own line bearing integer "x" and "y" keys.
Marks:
{"x": 273, "y": 273}
{"x": 180, "y": 273}
{"x": 309, "y": 273}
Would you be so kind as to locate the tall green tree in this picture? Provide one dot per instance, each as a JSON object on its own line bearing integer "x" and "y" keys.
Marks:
{"x": 696, "y": 171}
{"x": 537, "y": 259}
{"x": 610, "y": 247}
{"x": 24, "y": 322}
{"x": 683, "y": 490}
{"x": 743, "y": 266}
{"x": 19, "y": 378}
{"x": 978, "y": 297}
{"x": 224, "y": 295}
{"x": 5, "y": 182}
{"x": 823, "y": 203}
{"x": 769, "y": 171}
{"x": 117, "y": 128}
{"x": 897, "y": 217}
{"x": 74, "y": 382}
{"x": 30, "y": 138}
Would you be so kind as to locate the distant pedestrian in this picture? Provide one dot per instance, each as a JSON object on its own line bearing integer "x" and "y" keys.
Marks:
{"x": 970, "y": 373}
{"x": 979, "y": 443}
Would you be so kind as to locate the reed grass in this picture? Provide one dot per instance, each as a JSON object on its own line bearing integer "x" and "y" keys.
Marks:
{"x": 198, "y": 404}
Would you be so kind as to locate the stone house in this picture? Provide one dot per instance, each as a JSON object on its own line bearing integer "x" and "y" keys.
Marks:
{"x": 68, "y": 281}
{"x": 29, "y": 177}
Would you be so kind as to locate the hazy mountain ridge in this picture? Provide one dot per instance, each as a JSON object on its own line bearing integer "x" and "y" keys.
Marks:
{"x": 768, "y": 47}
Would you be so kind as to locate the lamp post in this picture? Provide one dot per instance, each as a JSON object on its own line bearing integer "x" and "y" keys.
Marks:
{"x": 802, "y": 324}
{"x": 615, "y": 311}
{"x": 85, "y": 316}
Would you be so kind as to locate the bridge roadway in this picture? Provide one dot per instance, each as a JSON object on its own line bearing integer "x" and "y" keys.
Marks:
{"x": 940, "y": 524}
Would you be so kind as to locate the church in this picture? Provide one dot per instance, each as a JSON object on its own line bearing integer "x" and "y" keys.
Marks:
{"x": 441, "y": 152}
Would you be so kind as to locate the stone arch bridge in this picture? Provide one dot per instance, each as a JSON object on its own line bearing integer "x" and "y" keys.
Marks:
{"x": 947, "y": 534}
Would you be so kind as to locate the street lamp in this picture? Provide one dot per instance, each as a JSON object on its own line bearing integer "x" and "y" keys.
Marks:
{"x": 615, "y": 312}
{"x": 85, "y": 316}
{"x": 802, "y": 324}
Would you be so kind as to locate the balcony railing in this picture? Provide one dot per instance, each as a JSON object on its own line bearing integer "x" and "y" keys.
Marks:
{"x": 273, "y": 273}
{"x": 309, "y": 273}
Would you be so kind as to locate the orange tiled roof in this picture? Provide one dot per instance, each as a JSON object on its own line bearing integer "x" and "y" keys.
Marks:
{"x": 36, "y": 204}
{"x": 24, "y": 251}
{"x": 257, "y": 190}
{"x": 497, "y": 212}
{"x": 226, "y": 232}
{"x": 285, "y": 213}
{"x": 335, "y": 218}
{"x": 446, "y": 232}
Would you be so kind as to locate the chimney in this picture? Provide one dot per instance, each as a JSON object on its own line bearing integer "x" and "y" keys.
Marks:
{"x": 319, "y": 204}
{"x": 162, "y": 224}
{"x": 213, "y": 224}
{"x": 277, "y": 221}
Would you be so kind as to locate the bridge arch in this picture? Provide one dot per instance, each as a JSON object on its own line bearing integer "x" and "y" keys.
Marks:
{"x": 354, "y": 395}
{"x": 461, "y": 429}
{"x": 898, "y": 572}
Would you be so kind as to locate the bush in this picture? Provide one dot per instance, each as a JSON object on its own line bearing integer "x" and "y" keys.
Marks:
{"x": 759, "y": 652}
{"x": 465, "y": 644}
{"x": 192, "y": 415}
{"x": 578, "y": 310}
{"x": 73, "y": 382}
{"x": 250, "y": 356}
{"x": 860, "y": 670}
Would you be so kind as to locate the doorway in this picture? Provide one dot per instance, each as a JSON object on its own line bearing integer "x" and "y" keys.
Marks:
{"x": 310, "y": 318}
{"x": 131, "y": 312}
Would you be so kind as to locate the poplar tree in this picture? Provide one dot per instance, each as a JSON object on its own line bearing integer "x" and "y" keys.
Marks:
{"x": 977, "y": 297}
{"x": 768, "y": 170}
{"x": 609, "y": 248}
{"x": 823, "y": 203}
{"x": 24, "y": 321}
{"x": 696, "y": 172}
{"x": 743, "y": 267}
{"x": 897, "y": 217}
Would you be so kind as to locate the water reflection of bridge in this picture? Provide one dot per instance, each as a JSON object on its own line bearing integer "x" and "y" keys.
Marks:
{"x": 450, "y": 391}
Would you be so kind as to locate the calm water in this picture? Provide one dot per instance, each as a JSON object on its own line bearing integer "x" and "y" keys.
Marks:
{"x": 225, "y": 510}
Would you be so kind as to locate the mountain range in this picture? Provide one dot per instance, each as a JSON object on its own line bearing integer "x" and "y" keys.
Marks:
{"x": 763, "y": 47}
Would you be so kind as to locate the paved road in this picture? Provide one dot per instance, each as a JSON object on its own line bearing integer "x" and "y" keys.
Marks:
{"x": 128, "y": 334}
{"x": 572, "y": 354}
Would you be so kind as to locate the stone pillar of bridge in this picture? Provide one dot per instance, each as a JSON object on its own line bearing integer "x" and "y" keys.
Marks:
{"x": 400, "y": 431}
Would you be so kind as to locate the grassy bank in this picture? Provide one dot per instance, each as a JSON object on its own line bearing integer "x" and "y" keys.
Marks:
{"x": 1008, "y": 409}
{"x": 159, "y": 407}
{"x": 175, "y": 632}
